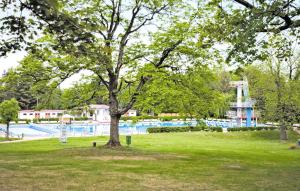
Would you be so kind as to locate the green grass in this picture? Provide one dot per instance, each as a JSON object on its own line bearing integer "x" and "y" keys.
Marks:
{"x": 177, "y": 161}
{"x": 10, "y": 139}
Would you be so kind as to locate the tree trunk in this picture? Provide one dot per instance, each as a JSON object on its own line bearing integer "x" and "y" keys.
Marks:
{"x": 114, "y": 131}
{"x": 283, "y": 134}
{"x": 114, "y": 114}
{"x": 7, "y": 130}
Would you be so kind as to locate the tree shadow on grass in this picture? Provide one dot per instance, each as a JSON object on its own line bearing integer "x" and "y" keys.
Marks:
{"x": 118, "y": 153}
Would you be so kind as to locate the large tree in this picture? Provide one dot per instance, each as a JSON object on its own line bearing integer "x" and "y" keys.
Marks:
{"x": 245, "y": 25}
{"x": 112, "y": 39}
{"x": 30, "y": 84}
{"x": 275, "y": 83}
{"x": 14, "y": 85}
{"x": 193, "y": 92}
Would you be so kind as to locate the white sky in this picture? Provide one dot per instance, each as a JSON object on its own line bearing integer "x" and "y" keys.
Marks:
{"x": 12, "y": 60}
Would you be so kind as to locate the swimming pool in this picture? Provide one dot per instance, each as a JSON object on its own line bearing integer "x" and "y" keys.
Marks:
{"x": 88, "y": 129}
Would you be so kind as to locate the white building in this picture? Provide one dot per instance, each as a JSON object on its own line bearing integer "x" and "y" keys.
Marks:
{"x": 43, "y": 114}
{"x": 130, "y": 113}
{"x": 100, "y": 113}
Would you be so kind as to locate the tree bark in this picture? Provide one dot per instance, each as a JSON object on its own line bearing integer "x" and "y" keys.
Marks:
{"x": 114, "y": 132}
{"x": 7, "y": 130}
{"x": 283, "y": 134}
{"x": 114, "y": 113}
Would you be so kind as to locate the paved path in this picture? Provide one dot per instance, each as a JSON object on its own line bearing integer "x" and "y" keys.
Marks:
{"x": 25, "y": 139}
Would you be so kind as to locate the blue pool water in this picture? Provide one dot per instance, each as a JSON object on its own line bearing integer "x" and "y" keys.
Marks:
{"x": 87, "y": 129}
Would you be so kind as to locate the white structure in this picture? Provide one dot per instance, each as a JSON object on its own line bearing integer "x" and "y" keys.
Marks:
{"x": 130, "y": 113}
{"x": 100, "y": 113}
{"x": 43, "y": 114}
{"x": 244, "y": 104}
{"x": 66, "y": 119}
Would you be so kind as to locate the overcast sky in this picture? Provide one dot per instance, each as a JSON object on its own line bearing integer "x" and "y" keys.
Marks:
{"x": 13, "y": 59}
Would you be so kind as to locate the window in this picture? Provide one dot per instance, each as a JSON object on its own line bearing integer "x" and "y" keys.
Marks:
{"x": 24, "y": 113}
{"x": 31, "y": 114}
{"x": 53, "y": 113}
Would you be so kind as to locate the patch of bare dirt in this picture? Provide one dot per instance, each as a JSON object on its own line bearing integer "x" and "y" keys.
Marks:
{"x": 116, "y": 157}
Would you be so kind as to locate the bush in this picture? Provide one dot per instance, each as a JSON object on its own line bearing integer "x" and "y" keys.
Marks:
{"x": 182, "y": 129}
{"x": 137, "y": 118}
{"x": 217, "y": 129}
{"x": 35, "y": 120}
{"x": 81, "y": 118}
{"x": 162, "y": 118}
{"x": 49, "y": 119}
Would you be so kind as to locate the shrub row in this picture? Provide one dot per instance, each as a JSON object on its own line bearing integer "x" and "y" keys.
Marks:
{"x": 250, "y": 128}
{"x": 182, "y": 129}
{"x": 162, "y": 118}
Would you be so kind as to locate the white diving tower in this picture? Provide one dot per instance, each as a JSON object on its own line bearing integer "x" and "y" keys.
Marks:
{"x": 243, "y": 103}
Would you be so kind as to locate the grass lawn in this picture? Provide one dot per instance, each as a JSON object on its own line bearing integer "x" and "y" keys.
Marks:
{"x": 10, "y": 139}
{"x": 177, "y": 161}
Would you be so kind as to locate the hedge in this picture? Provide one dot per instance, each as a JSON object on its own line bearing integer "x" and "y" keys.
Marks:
{"x": 162, "y": 118}
{"x": 250, "y": 128}
{"x": 182, "y": 129}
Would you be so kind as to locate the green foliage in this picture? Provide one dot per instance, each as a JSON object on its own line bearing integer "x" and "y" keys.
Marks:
{"x": 9, "y": 110}
{"x": 81, "y": 118}
{"x": 182, "y": 129}
{"x": 239, "y": 24}
{"x": 15, "y": 85}
{"x": 134, "y": 118}
{"x": 49, "y": 119}
{"x": 251, "y": 128}
{"x": 83, "y": 93}
{"x": 161, "y": 118}
{"x": 276, "y": 90}
{"x": 36, "y": 120}
{"x": 193, "y": 93}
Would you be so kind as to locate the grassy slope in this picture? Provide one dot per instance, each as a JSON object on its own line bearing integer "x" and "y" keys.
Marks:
{"x": 4, "y": 139}
{"x": 179, "y": 161}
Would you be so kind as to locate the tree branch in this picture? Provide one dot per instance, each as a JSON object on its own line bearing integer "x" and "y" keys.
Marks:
{"x": 166, "y": 53}
{"x": 143, "y": 80}
{"x": 245, "y": 4}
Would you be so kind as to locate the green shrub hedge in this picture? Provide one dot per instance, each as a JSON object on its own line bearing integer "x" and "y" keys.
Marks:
{"x": 165, "y": 118}
{"x": 204, "y": 128}
{"x": 49, "y": 119}
{"x": 250, "y": 128}
{"x": 182, "y": 129}
{"x": 81, "y": 118}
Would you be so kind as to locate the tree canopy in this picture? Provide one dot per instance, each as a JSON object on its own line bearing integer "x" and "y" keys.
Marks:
{"x": 9, "y": 111}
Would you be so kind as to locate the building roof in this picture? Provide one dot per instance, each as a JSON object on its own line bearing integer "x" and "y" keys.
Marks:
{"x": 102, "y": 106}
{"x": 50, "y": 111}
{"x": 67, "y": 116}
{"x": 26, "y": 111}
